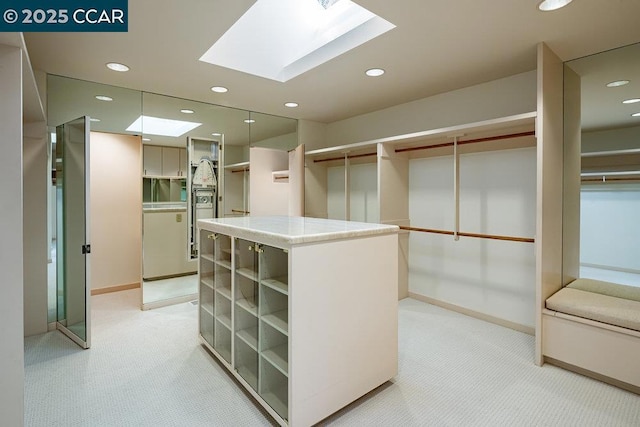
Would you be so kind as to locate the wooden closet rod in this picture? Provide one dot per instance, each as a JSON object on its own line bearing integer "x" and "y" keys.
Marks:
{"x": 355, "y": 156}
{"x": 240, "y": 212}
{"x": 240, "y": 170}
{"x": 480, "y": 236}
{"x": 468, "y": 141}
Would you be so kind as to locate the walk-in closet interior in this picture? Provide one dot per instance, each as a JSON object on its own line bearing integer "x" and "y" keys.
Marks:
{"x": 158, "y": 164}
{"x": 597, "y": 305}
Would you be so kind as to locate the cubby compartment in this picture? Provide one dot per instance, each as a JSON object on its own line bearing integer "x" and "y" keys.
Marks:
{"x": 246, "y": 259}
{"x": 274, "y": 269}
{"x": 223, "y": 311}
{"x": 274, "y": 309}
{"x": 274, "y": 388}
{"x": 222, "y": 339}
{"x": 274, "y": 348}
{"x": 223, "y": 281}
{"x": 246, "y": 363}
{"x": 247, "y": 294}
{"x": 206, "y": 323}
{"x": 223, "y": 251}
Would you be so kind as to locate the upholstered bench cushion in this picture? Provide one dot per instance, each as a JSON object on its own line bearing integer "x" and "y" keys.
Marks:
{"x": 596, "y": 306}
{"x": 606, "y": 288}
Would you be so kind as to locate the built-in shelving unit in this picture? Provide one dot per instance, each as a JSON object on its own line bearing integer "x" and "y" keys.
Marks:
{"x": 246, "y": 283}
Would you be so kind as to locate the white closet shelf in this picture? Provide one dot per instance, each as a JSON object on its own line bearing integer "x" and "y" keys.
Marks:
{"x": 248, "y": 273}
{"x": 224, "y": 263}
{"x": 249, "y": 376}
{"x": 249, "y": 306}
{"x": 250, "y": 337}
{"x": 278, "y": 356}
{"x": 207, "y": 257}
{"x": 207, "y": 281}
{"x": 525, "y": 119}
{"x": 225, "y": 291}
{"x": 277, "y": 284}
{"x": 238, "y": 166}
{"x": 208, "y": 308}
{"x": 225, "y": 320}
{"x": 225, "y": 353}
{"x": 278, "y": 321}
{"x": 272, "y": 398}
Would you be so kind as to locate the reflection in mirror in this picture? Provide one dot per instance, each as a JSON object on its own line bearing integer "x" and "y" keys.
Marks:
{"x": 115, "y": 155}
{"x": 602, "y": 167}
{"x": 160, "y": 127}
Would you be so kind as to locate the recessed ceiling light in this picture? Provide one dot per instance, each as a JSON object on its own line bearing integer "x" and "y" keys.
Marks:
{"x": 104, "y": 98}
{"x": 146, "y": 139}
{"x": 291, "y": 104}
{"x": 94, "y": 119}
{"x": 163, "y": 127}
{"x": 635, "y": 115}
{"x": 631, "y": 101}
{"x": 548, "y": 5}
{"x": 374, "y": 72}
{"x": 216, "y": 134}
{"x": 249, "y": 121}
{"x": 219, "y": 89}
{"x": 617, "y": 83}
{"x": 117, "y": 67}
{"x": 187, "y": 111}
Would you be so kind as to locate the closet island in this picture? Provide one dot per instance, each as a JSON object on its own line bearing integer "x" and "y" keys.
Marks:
{"x": 302, "y": 311}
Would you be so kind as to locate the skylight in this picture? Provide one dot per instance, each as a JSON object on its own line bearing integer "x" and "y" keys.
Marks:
{"x": 163, "y": 127}
{"x": 281, "y": 39}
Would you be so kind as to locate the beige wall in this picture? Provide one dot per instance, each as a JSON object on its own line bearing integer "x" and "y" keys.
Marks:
{"x": 11, "y": 244}
{"x": 36, "y": 250}
{"x": 116, "y": 210}
{"x": 499, "y": 98}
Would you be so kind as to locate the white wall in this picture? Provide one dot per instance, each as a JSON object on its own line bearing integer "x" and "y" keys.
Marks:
{"x": 36, "y": 242}
{"x": 116, "y": 210}
{"x": 497, "y": 196}
{"x": 11, "y": 244}
{"x": 363, "y": 192}
{"x": 610, "y": 227}
{"x": 499, "y": 98}
{"x": 268, "y": 197}
{"x": 612, "y": 139}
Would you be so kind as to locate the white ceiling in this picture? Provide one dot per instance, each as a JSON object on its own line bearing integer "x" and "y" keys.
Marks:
{"x": 436, "y": 46}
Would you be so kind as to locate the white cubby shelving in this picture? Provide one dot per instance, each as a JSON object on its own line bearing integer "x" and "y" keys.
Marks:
{"x": 271, "y": 291}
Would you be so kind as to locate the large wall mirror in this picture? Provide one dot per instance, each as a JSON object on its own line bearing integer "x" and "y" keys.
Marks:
{"x": 149, "y": 194}
{"x": 602, "y": 167}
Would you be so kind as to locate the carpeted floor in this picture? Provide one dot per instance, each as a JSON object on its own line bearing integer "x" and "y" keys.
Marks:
{"x": 147, "y": 368}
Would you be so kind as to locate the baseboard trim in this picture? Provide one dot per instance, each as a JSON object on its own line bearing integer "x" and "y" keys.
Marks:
{"x": 596, "y": 376}
{"x": 117, "y": 288}
{"x": 472, "y": 313}
{"x": 170, "y": 301}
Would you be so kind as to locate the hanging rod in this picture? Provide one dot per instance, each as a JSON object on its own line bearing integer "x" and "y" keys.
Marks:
{"x": 240, "y": 170}
{"x": 240, "y": 212}
{"x": 468, "y": 141}
{"x": 460, "y": 233}
{"x": 355, "y": 156}
{"x": 608, "y": 179}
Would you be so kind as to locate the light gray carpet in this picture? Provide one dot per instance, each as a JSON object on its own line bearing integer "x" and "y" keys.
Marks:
{"x": 148, "y": 369}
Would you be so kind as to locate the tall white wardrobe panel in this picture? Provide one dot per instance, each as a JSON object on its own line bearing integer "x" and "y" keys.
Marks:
{"x": 336, "y": 208}
{"x": 363, "y": 192}
{"x": 497, "y": 196}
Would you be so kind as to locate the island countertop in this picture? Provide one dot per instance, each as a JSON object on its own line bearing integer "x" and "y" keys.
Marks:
{"x": 293, "y": 230}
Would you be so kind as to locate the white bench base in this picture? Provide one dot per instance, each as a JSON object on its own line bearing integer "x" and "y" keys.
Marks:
{"x": 607, "y": 351}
